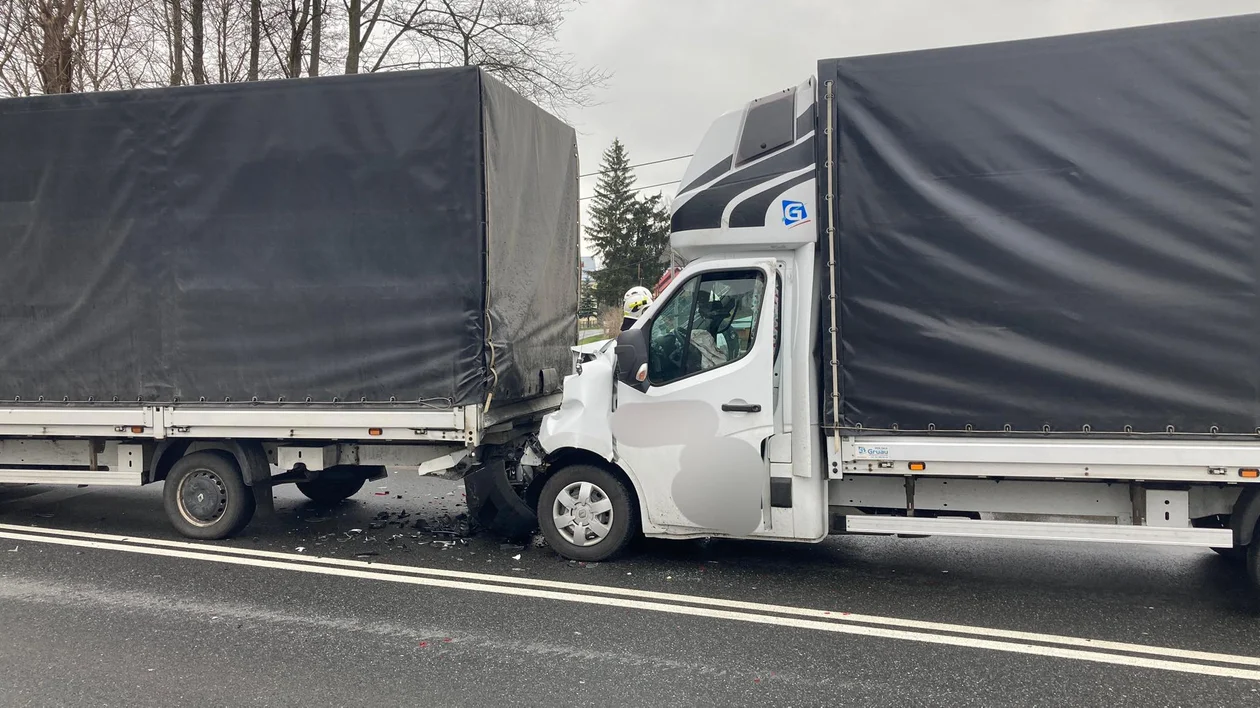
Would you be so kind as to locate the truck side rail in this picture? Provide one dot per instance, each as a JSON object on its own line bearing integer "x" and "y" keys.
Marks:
{"x": 271, "y": 422}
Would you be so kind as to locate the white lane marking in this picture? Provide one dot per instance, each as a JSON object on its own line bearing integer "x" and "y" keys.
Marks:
{"x": 773, "y": 620}
{"x": 759, "y": 607}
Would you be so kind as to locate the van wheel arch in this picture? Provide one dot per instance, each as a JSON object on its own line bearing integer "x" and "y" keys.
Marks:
{"x": 566, "y": 457}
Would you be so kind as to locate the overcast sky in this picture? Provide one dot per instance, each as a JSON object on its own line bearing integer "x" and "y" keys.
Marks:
{"x": 678, "y": 64}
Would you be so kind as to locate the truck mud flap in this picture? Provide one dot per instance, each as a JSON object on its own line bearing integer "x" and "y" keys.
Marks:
{"x": 493, "y": 504}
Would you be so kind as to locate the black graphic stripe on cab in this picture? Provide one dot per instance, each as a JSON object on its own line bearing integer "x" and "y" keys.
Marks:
{"x": 704, "y": 210}
{"x": 752, "y": 211}
{"x": 712, "y": 173}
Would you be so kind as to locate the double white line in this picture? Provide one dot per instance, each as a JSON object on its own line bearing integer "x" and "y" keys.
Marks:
{"x": 1030, "y": 643}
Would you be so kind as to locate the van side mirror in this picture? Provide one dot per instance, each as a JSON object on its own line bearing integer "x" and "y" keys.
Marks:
{"x": 632, "y": 358}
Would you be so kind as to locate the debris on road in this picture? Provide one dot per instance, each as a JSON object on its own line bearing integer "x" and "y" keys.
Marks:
{"x": 516, "y": 557}
{"x": 300, "y": 549}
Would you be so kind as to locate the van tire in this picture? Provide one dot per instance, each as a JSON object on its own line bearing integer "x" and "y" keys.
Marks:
{"x": 206, "y": 497}
{"x": 607, "y": 509}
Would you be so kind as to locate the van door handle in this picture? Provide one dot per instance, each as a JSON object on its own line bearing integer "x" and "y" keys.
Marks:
{"x": 741, "y": 407}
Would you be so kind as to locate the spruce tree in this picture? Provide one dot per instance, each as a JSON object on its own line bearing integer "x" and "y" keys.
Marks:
{"x": 630, "y": 234}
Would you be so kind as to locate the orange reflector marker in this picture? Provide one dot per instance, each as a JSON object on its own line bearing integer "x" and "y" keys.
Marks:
{"x": 374, "y": 431}
{"x": 1249, "y": 472}
{"x": 917, "y": 466}
{"x": 137, "y": 429}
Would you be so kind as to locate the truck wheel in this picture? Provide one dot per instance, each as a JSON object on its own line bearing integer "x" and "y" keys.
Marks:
{"x": 330, "y": 491}
{"x": 586, "y": 514}
{"x": 206, "y": 497}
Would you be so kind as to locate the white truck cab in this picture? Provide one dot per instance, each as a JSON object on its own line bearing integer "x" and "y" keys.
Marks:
{"x": 707, "y": 408}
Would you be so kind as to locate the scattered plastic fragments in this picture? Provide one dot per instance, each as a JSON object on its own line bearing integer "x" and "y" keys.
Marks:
{"x": 381, "y": 494}
{"x": 355, "y": 531}
{"x": 13, "y": 550}
{"x": 300, "y": 549}
{"x": 366, "y": 554}
{"x": 516, "y": 557}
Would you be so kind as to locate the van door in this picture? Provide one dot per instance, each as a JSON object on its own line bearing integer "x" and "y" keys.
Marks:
{"x": 695, "y": 438}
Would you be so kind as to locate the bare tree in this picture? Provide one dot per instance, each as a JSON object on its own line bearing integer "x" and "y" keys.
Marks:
{"x": 197, "y": 17}
{"x": 232, "y": 41}
{"x": 111, "y": 47}
{"x": 176, "y": 21}
{"x": 14, "y": 22}
{"x": 56, "y": 24}
{"x": 285, "y": 28}
{"x": 317, "y": 33}
{"x": 88, "y": 45}
{"x": 515, "y": 40}
{"x": 255, "y": 37}
{"x": 361, "y": 19}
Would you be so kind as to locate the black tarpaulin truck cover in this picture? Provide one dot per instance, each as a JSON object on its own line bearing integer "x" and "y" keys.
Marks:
{"x": 1055, "y": 234}
{"x": 406, "y": 237}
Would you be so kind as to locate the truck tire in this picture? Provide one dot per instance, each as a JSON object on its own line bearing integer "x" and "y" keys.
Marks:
{"x": 206, "y": 497}
{"x": 586, "y": 513}
{"x": 330, "y": 491}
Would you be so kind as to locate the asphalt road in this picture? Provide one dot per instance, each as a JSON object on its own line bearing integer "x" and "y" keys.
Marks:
{"x": 407, "y": 616}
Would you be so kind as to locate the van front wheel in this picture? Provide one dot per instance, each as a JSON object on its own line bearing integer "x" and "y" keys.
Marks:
{"x": 586, "y": 513}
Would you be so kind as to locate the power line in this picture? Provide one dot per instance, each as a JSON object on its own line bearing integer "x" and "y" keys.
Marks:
{"x": 638, "y": 189}
{"x": 645, "y": 164}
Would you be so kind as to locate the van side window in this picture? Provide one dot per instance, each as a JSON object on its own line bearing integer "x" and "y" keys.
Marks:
{"x": 710, "y": 322}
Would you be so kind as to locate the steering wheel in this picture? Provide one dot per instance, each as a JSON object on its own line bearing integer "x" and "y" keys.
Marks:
{"x": 669, "y": 347}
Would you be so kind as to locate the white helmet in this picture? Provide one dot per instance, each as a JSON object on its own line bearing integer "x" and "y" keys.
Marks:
{"x": 636, "y": 302}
